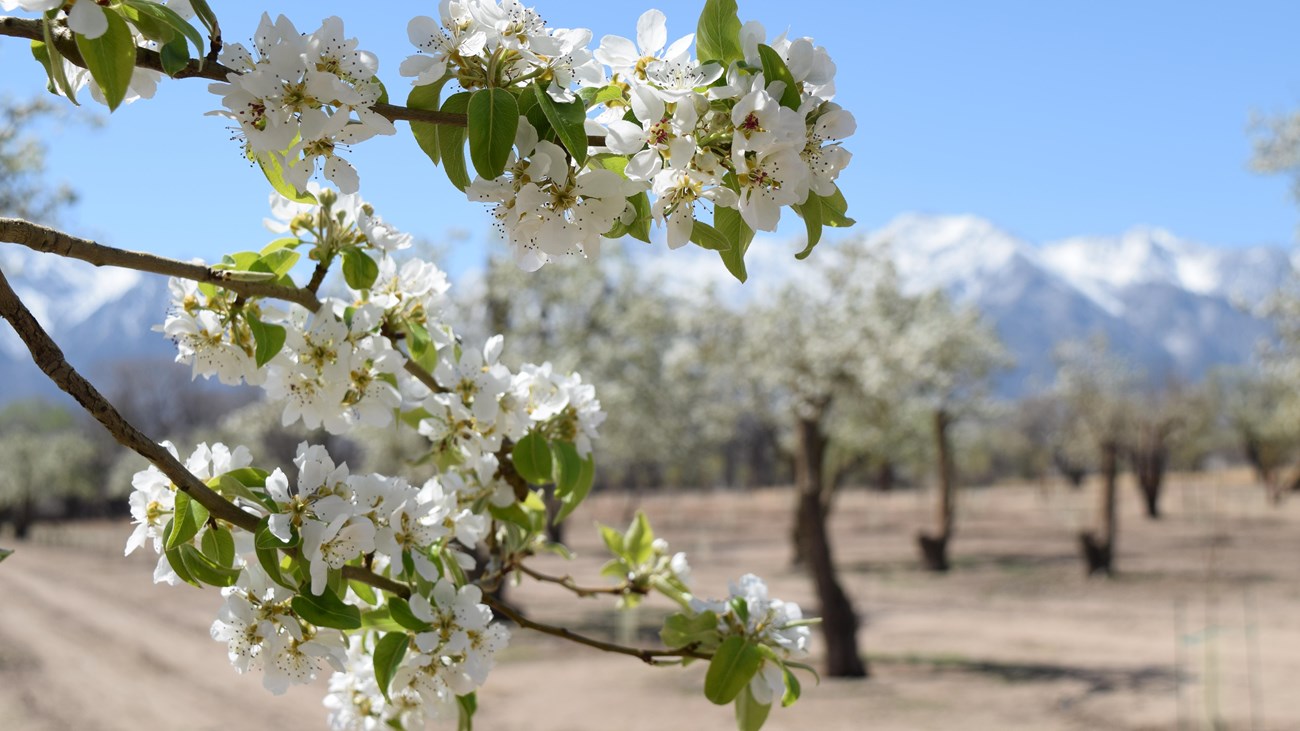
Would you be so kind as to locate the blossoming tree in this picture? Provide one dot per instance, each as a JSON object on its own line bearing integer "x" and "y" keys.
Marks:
{"x": 383, "y": 581}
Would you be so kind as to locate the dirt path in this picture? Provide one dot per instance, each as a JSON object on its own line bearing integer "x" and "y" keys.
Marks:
{"x": 1202, "y": 624}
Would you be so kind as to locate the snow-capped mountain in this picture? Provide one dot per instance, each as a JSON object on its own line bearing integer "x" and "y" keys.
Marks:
{"x": 1175, "y": 307}
{"x": 98, "y": 316}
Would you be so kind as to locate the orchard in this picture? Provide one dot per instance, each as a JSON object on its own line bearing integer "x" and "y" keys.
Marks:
{"x": 387, "y": 585}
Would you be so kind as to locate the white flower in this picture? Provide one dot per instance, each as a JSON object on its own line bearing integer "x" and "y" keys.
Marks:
{"x": 630, "y": 61}
{"x": 331, "y": 546}
{"x": 768, "y": 182}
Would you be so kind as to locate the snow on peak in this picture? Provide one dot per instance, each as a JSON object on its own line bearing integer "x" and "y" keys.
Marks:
{"x": 947, "y": 252}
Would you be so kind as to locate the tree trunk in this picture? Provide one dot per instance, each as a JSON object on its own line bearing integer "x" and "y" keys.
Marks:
{"x": 24, "y": 516}
{"x": 839, "y": 622}
{"x": 934, "y": 548}
{"x": 1099, "y": 546}
{"x": 1074, "y": 473}
{"x": 885, "y": 476}
{"x": 1149, "y": 461}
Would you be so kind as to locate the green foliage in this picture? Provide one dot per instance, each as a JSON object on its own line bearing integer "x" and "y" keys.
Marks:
{"x": 532, "y": 458}
{"x": 359, "y": 269}
{"x": 451, "y": 142}
{"x": 750, "y": 714}
{"x": 326, "y": 609}
{"x": 738, "y": 234}
{"x": 736, "y": 662}
{"x": 774, "y": 69}
{"x": 268, "y": 339}
{"x": 110, "y": 59}
{"x": 388, "y": 655}
{"x": 427, "y": 97}
{"x": 568, "y": 121}
{"x": 717, "y": 36}
{"x": 492, "y": 118}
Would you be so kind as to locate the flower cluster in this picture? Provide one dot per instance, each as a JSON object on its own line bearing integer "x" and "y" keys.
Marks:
{"x": 771, "y": 623}
{"x": 331, "y": 518}
{"x": 753, "y": 135}
{"x": 302, "y": 97}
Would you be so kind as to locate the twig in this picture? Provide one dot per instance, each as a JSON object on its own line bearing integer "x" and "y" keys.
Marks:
{"x": 47, "y": 355}
{"x": 651, "y": 657}
{"x": 583, "y": 591}
{"x": 47, "y": 240}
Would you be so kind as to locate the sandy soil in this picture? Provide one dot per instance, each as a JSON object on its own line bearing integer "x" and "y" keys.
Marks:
{"x": 1200, "y": 630}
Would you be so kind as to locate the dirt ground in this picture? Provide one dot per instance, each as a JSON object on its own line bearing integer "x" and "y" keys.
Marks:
{"x": 1201, "y": 629}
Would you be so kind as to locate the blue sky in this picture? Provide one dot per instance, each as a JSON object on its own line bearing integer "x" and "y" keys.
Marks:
{"x": 1051, "y": 119}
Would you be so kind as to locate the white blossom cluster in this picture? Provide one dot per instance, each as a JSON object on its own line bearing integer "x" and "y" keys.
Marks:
{"x": 302, "y": 98}
{"x": 775, "y": 623}
{"x": 338, "y": 368}
{"x": 687, "y": 132}
{"x": 339, "y": 517}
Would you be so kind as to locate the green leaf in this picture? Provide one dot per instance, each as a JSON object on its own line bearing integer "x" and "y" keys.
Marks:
{"x": 267, "y": 546}
{"x": 493, "y": 117}
{"x": 286, "y": 242}
{"x": 6, "y": 553}
{"x": 451, "y": 142}
{"x": 568, "y": 120}
{"x": 175, "y": 56}
{"x": 638, "y": 542}
{"x": 326, "y": 610}
{"x": 607, "y": 94}
{"x": 467, "y": 704}
{"x": 187, "y": 518}
{"x": 389, "y": 652}
{"x": 110, "y": 59}
{"x": 204, "y": 11}
{"x": 708, "y": 237}
{"x": 205, "y": 569}
{"x": 427, "y": 97}
{"x": 774, "y": 69}
{"x": 163, "y": 20}
{"x": 279, "y": 261}
{"x": 53, "y": 61}
{"x": 273, "y": 169}
{"x": 364, "y": 592}
{"x": 359, "y": 270}
{"x": 834, "y": 208}
{"x": 681, "y": 629}
{"x": 811, "y": 213}
{"x": 422, "y": 348}
{"x": 613, "y": 540}
{"x": 734, "y": 664}
{"x": 582, "y": 482}
{"x": 269, "y": 339}
{"x": 717, "y": 37}
{"x": 732, "y": 227}
{"x": 219, "y": 546}
{"x": 400, "y": 610}
{"x": 176, "y": 562}
{"x": 792, "y": 688}
{"x": 514, "y": 514}
{"x": 378, "y": 619}
{"x": 639, "y": 229}
{"x": 532, "y": 458}
{"x": 750, "y": 714}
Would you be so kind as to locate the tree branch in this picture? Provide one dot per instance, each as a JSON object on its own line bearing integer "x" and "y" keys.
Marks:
{"x": 48, "y": 240}
{"x": 46, "y": 354}
{"x": 213, "y": 71}
{"x": 651, "y": 657}
{"x": 568, "y": 583}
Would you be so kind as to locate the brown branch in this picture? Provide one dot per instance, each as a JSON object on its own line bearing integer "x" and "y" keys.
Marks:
{"x": 48, "y": 240}
{"x": 46, "y": 354}
{"x": 568, "y": 583}
{"x": 651, "y": 657}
